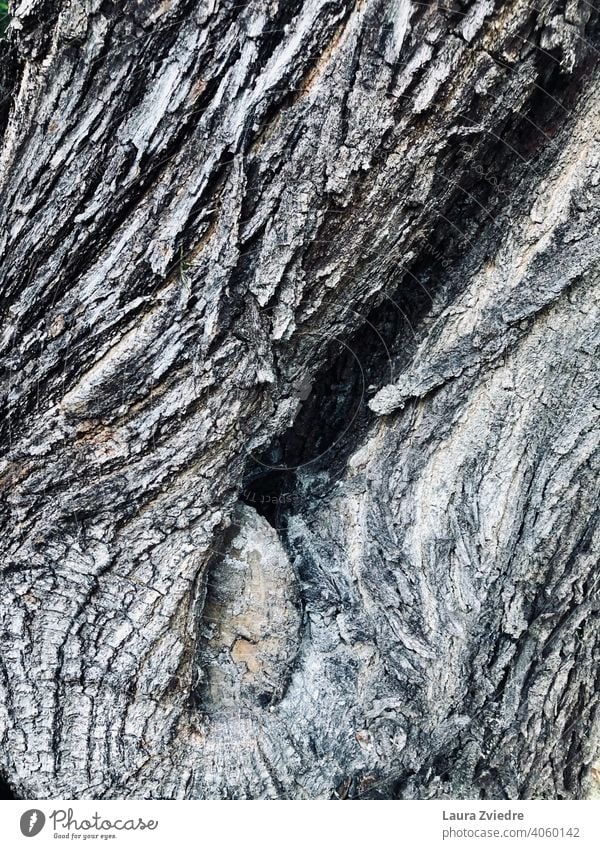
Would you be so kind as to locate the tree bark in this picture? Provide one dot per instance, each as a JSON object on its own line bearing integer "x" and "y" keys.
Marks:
{"x": 300, "y": 437}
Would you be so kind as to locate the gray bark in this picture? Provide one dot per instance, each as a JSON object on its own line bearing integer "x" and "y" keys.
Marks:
{"x": 300, "y": 438}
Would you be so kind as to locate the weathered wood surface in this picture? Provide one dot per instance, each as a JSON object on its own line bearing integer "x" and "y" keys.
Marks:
{"x": 337, "y": 260}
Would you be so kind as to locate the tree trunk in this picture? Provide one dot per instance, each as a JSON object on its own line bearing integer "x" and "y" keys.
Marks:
{"x": 300, "y": 438}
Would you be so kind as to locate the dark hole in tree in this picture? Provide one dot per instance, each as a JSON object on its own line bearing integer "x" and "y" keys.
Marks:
{"x": 6, "y": 791}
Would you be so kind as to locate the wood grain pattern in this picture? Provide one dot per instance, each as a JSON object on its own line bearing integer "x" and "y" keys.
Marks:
{"x": 326, "y": 271}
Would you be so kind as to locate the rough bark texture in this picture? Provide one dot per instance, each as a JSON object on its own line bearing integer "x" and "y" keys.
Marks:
{"x": 300, "y": 439}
